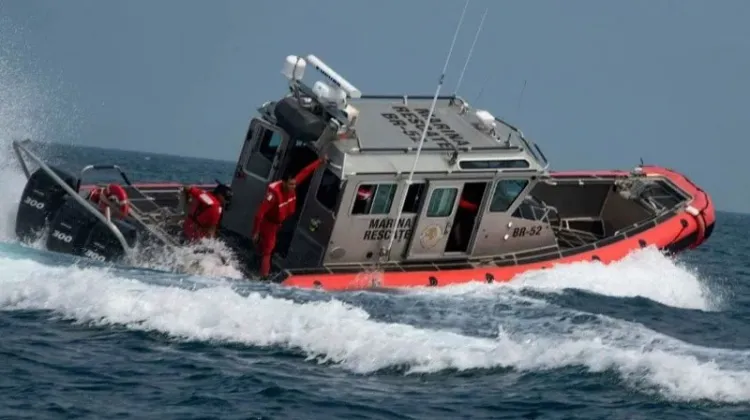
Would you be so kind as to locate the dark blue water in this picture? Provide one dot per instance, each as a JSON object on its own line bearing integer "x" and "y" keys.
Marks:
{"x": 646, "y": 338}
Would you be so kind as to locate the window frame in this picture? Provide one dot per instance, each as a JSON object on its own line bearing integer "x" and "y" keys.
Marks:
{"x": 452, "y": 206}
{"x": 377, "y": 184}
{"x": 489, "y": 168}
{"x": 335, "y": 206}
{"x": 526, "y": 182}
{"x": 419, "y": 203}
{"x": 257, "y": 132}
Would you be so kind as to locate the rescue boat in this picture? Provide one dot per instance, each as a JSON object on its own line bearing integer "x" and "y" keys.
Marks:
{"x": 418, "y": 157}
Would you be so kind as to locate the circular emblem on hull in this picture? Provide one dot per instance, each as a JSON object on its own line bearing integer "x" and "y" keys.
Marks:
{"x": 430, "y": 236}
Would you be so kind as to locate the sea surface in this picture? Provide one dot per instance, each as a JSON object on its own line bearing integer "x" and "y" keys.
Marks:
{"x": 646, "y": 338}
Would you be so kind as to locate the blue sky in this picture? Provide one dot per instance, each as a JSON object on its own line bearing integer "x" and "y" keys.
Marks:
{"x": 608, "y": 82}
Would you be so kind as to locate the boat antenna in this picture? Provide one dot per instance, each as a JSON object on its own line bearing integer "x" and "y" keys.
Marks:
{"x": 386, "y": 251}
{"x": 471, "y": 50}
{"x": 481, "y": 91}
{"x": 520, "y": 98}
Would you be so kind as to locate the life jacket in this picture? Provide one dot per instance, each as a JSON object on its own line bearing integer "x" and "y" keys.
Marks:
{"x": 201, "y": 203}
{"x": 283, "y": 203}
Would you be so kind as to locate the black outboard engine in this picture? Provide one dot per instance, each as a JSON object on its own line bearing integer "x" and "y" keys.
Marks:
{"x": 102, "y": 245}
{"x": 76, "y": 231}
{"x": 41, "y": 198}
{"x": 70, "y": 228}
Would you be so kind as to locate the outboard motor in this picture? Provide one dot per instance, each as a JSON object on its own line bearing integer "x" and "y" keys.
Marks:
{"x": 41, "y": 198}
{"x": 70, "y": 228}
{"x": 102, "y": 245}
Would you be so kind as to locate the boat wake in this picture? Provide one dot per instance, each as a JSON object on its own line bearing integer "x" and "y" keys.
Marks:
{"x": 524, "y": 334}
{"x": 646, "y": 273}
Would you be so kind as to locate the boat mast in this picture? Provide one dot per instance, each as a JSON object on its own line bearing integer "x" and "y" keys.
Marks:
{"x": 386, "y": 252}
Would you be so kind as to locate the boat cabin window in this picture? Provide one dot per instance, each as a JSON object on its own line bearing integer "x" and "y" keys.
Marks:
{"x": 493, "y": 164}
{"x": 328, "y": 190}
{"x": 373, "y": 199}
{"x": 442, "y": 201}
{"x": 506, "y": 192}
{"x": 269, "y": 144}
{"x": 413, "y": 198}
{"x": 265, "y": 149}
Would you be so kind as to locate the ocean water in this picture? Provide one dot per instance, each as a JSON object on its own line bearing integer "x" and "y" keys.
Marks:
{"x": 646, "y": 338}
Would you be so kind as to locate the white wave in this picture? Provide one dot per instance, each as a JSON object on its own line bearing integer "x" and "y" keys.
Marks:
{"x": 331, "y": 331}
{"x": 209, "y": 257}
{"x": 644, "y": 273}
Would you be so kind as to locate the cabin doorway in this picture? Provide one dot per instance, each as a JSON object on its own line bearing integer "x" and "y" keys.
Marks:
{"x": 466, "y": 217}
{"x": 435, "y": 219}
{"x": 299, "y": 156}
{"x": 256, "y": 167}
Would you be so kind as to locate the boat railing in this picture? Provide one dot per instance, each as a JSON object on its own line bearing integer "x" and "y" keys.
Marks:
{"x": 533, "y": 149}
{"x": 137, "y": 213}
{"x": 20, "y": 149}
{"x": 642, "y": 190}
{"x": 573, "y": 237}
{"x": 540, "y": 211}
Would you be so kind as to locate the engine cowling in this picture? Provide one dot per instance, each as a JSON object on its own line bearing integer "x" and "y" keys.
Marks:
{"x": 102, "y": 245}
{"x": 70, "y": 228}
{"x": 40, "y": 200}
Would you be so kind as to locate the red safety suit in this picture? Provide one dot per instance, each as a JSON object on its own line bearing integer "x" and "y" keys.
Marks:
{"x": 276, "y": 207}
{"x": 467, "y": 205}
{"x": 204, "y": 213}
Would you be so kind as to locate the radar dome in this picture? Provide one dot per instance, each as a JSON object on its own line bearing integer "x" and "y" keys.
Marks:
{"x": 294, "y": 67}
{"x": 486, "y": 119}
{"x": 327, "y": 93}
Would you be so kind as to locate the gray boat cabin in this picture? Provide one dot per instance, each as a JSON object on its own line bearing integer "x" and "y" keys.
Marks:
{"x": 468, "y": 197}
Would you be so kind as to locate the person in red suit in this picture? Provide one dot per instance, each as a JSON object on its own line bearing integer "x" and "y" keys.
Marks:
{"x": 204, "y": 211}
{"x": 278, "y": 205}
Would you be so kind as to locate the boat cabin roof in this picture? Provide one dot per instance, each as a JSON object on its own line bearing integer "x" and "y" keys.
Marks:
{"x": 388, "y": 129}
{"x": 385, "y": 138}
{"x": 380, "y": 134}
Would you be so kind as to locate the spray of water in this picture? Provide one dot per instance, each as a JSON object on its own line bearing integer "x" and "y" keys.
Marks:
{"x": 31, "y": 107}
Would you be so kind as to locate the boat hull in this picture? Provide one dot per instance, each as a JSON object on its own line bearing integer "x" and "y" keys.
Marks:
{"x": 683, "y": 228}
{"x": 676, "y": 231}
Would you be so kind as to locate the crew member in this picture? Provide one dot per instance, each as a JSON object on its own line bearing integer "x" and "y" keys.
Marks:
{"x": 117, "y": 198}
{"x": 467, "y": 205}
{"x": 466, "y": 209}
{"x": 280, "y": 203}
{"x": 363, "y": 200}
{"x": 203, "y": 211}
